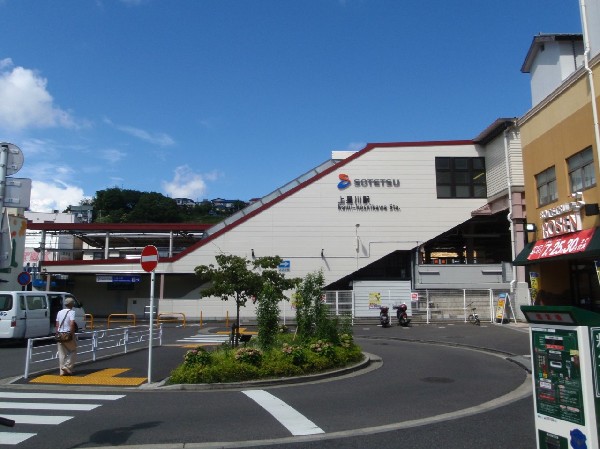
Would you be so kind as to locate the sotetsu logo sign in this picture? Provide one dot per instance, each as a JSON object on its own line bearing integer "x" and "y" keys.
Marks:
{"x": 346, "y": 182}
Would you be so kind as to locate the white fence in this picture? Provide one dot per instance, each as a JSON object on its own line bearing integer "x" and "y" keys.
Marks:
{"x": 91, "y": 344}
{"x": 433, "y": 305}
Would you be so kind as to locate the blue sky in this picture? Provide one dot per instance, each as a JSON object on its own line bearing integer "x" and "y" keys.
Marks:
{"x": 234, "y": 98}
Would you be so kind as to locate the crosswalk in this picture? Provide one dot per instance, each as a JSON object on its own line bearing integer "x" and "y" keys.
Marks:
{"x": 45, "y": 405}
{"x": 200, "y": 339}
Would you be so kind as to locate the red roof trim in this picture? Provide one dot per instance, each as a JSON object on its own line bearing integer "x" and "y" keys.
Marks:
{"x": 280, "y": 198}
{"x": 131, "y": 227}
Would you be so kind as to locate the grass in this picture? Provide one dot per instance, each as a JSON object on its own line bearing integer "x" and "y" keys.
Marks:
{"x": 287, "y": 358}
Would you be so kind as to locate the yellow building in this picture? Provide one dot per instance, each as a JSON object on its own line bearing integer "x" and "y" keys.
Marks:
{"x": 560, "y": 139}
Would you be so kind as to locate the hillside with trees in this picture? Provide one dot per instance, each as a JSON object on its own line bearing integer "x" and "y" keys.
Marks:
{"x": 116, "y": 205}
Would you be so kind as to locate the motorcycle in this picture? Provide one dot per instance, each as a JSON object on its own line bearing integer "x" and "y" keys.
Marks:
{"x": 403, "y": 319}
{"x": 384, "y": 316}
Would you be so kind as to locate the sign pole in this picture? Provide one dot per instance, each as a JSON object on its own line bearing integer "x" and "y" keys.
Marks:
{"x": 152, "y": 279}
{"x": 149, "y": 262}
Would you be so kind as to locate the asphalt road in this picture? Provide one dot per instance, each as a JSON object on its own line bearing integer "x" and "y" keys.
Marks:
{"x": 452, "y": 386}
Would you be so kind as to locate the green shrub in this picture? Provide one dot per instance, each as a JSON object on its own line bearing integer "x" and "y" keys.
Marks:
{"x": 295, "y": 353}
{"x": 198, "y": 356}
{"x": 288, "y": 357}
{"x": 253, "y": 356}
{"x": 267, "y": 316}
{"x": 323, "y": 348}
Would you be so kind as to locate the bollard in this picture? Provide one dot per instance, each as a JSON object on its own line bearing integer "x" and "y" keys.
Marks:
{"x": 201, "y": 318}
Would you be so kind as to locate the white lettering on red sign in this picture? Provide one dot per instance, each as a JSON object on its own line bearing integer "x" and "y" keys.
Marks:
{"x": 561, "y": 245}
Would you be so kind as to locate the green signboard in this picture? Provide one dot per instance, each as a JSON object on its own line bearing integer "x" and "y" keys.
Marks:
{"x": 556, "y": 369}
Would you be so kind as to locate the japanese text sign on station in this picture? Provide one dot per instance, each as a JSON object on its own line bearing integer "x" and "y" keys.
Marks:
{"x": 149, "y": 259}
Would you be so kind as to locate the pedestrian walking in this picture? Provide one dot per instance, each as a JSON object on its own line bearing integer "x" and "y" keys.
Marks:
{"x": 65, "y": 332}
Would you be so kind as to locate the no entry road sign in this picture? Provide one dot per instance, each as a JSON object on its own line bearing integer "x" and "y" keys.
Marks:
{"x": 149, "y": 259}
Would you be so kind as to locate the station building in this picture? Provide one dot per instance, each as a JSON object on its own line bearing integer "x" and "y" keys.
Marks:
{"x": 386, "y": 224}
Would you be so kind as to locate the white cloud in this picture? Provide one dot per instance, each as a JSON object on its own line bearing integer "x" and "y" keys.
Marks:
{"x": 112, "y": 155}
{"x": 160, "y": 139}
{"x": 187, "y": 184}
{"x": 26, "y": 102}
{"x": 46, "y": 197}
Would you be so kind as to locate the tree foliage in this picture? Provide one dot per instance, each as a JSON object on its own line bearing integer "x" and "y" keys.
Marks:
{"x": 241, "y": 279}
{"x": 311, "y": 312}
{"x": 116, "y": 205}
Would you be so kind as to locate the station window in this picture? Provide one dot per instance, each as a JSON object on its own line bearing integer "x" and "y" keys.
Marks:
{"x": 581, "y": 170}
{"x": 460, "y": 177}
{"x": 546, "y": 186}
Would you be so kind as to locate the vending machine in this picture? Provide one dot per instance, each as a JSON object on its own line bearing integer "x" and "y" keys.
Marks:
{"x": 565, "y": 360}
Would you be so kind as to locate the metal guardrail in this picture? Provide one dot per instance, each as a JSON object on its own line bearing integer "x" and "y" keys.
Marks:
{"x": 92, "y": 343}
{"x": 172, "y": 317}
{"x": 121, "y": 318}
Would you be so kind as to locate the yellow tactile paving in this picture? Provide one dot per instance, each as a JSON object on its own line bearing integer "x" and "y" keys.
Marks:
{"x": 103, "y": 377}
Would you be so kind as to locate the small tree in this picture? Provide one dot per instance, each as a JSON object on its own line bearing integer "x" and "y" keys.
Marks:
{"x": 241, "y": 279}
{"x": 311, "y": 312}
{"x": 267, "y": 316}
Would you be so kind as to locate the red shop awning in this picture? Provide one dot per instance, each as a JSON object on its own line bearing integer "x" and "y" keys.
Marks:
{"x": 584, "y": 243}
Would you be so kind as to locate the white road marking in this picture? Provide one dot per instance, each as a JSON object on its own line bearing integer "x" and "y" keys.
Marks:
{"x": 38, "y": 419}
{"x": 292, "y": 420}
{"x": 14, "y": 438}
{"x": 60, "y": 396}
{"x": 42, "y": 406}
{"x": 205, "y": 339}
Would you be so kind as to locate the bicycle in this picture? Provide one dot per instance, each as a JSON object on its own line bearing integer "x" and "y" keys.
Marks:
{"x": 473, "y": 316}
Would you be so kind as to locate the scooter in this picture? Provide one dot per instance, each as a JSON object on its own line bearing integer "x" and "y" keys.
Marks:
{"x": 384, "y": 316}
{"x": 403, "y": 319}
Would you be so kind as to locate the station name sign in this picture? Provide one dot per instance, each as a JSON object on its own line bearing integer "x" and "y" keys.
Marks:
{"x": 346, "y": 181}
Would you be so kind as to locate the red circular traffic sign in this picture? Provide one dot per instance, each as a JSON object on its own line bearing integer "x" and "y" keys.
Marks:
{"x": 149, "y": 259}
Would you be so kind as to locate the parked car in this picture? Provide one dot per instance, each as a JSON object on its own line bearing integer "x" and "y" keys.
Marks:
{"x": 31, "y": 314}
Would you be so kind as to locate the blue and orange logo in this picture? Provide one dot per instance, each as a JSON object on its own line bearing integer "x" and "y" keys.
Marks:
{"x": 344, "y": 181}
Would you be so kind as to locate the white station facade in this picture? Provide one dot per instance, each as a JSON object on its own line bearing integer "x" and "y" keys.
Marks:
{"x": 360, "y": 216}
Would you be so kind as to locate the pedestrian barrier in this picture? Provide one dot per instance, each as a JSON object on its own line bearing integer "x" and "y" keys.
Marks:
{"x": 173, "y": 317}
{"x": 92, "y": 344}
{"x": 89, "y": 321}
{"x": 121, "y": 318}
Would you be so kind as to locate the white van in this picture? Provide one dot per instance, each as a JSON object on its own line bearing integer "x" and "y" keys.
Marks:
{"x": 29, "y": 314}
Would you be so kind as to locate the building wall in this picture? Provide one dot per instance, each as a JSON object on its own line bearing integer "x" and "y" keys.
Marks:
{"x": 593, "y": 22}
{"x": 564, "y": 127}
{"x": 310, "y": 220}
{"x": 561, "y": 126}
{"x": 552, "y": 66}
{"x": 495, "y": 161}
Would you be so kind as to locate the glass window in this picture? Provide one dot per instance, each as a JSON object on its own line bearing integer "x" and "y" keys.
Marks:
{"x": 546, "y": 186}
{"x": 460, "y": 177}
{"x": 5, "y": 302}
{"x": 36, "y": 302}
{"x": 581, "y": 170}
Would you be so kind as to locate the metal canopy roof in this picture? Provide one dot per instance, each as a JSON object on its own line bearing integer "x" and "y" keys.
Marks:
{"x": 127, "y": 235}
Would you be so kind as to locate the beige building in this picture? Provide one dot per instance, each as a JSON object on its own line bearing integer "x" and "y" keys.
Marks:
{"x": 560, "y": 137}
